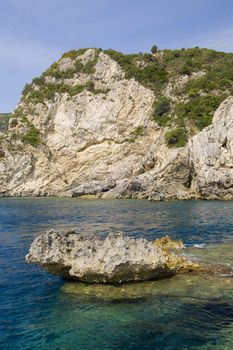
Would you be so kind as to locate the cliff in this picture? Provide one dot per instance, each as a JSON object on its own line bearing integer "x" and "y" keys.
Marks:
{"x": 101, "y": 123}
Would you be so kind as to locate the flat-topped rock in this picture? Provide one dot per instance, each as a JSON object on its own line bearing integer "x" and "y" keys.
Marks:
{"x": 116, "y": 258}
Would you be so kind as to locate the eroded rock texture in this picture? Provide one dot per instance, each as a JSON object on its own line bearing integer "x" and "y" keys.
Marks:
{"x": 117, "y": 258}
{"x": 102, "y": 141}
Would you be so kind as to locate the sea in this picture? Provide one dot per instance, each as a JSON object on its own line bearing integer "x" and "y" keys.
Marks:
{"x": 40, "y": 311}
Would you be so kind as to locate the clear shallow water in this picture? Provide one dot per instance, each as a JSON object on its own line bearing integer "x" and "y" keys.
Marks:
{"x": 41, "y": 311}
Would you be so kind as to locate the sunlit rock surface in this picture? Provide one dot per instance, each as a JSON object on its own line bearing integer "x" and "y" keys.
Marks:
{"x": 116, "y": 258}
{"x": 105, "y": 143}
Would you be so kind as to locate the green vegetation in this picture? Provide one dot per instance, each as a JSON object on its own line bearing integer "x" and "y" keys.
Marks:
{"x": 78, "y": 66}
{"x": 18, "y": 116}
{"x": 150, "y": 74}
{"x": 2, "y": 154}
{"x": 13, "y": 122}
{"x": 212, "y": 62}
{"x": 209, "y": 80}
{"x": 154, "y": 49}
{"x": 73, "y": 54}
{"x": 176, "y": 138}
{"x": 32, "y": 136}
{"x": 138, "y": 131}
{"x": 199, "y": 110}
{"x": 201, "y": 95}
{"x": 4, "y": 120}
{"x": 48, "y": 91}
{"x": 90, "y": 86}
{"x": 162, "y": 108}
{"x": 40, "y": 90}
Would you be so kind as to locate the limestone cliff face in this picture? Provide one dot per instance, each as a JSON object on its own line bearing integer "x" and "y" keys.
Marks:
{"x": 103, "y": 141}
{"x": 211, "y": 155}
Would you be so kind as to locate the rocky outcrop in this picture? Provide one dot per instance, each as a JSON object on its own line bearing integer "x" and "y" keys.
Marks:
{"x": 211, "y": 155}
{"x": 102, "y": 141}
{"x": 117, "y": 258}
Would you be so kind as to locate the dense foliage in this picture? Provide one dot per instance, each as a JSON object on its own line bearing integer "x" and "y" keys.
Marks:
{"x": 142, "y": 67}
{"x": 199, "y": 110}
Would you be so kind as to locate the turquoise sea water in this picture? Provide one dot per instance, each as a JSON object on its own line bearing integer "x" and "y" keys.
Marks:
{"x": 39, "y": 311}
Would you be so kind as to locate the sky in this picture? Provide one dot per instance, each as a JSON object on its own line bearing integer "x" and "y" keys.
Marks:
{"x": 35, "y": 33}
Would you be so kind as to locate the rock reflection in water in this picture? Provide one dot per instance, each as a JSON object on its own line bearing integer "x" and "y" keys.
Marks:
{"x": 189, "y": 310}
{"x": 196, "y": 287}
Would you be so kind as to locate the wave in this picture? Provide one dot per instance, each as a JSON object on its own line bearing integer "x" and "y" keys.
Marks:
{"x": 196, "y": 245}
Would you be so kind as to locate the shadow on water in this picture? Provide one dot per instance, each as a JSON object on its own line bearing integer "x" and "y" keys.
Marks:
{"x": 184, "y": 312}
{"x": 157, "y": 320}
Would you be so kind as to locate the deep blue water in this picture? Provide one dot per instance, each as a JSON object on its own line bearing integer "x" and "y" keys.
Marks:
{"x": 41, "y": 311}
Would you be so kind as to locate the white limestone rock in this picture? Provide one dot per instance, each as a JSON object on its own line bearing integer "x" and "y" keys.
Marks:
{"x": 211, "y": 155}
{"x": 117, "y": 258}
{"x": 92, "y": 138}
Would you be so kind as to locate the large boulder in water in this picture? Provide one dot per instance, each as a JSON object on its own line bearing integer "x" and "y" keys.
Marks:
{"x": 116, "y": 258}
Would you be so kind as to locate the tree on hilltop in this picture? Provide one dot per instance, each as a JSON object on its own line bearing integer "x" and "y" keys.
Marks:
{"x": 154, "y": 49}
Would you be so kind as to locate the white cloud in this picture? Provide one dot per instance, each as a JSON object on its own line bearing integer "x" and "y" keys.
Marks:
{"x": 23, "y": 52}
{"x": 221, "y": 41}
{"x": 21, "y": 60}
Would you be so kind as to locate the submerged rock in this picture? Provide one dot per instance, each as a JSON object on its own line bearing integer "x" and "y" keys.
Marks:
{"x": 194, "y": 287}
{"x": 117, "y": 258}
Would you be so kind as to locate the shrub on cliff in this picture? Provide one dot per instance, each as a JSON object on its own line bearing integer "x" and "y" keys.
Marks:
{"x": 151, "y": 75}
{"x": 32, "y": 136}
{"x": 199, "y": 110}
{"x": 176, "y": 138}
{"x": 162, "y": 106}
{"x": 73, "y": 54}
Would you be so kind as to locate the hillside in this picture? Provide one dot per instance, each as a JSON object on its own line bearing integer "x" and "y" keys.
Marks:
{"x": 188, "y": 84}
{"x": 114, "y": 125}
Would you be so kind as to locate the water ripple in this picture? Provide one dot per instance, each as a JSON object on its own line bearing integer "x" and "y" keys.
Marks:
{"x": 40, "y": 312}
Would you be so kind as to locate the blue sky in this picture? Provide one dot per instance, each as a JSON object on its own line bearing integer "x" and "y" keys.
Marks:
{"x": 34, "y": 33}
